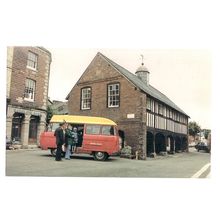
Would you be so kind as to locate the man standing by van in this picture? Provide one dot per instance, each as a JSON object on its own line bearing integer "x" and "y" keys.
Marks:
{"x": 60, "y": 139}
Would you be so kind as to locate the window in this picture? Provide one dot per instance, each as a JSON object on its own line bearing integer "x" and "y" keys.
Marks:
{"x": 148, "y": 104}
{"x": 165, "y": 111}
{"x": 86, "y": 98}
{"x": 113, "y": 95}
{"x": 32, "y": 60}
{"x": 175, "y": 113}
{"x": 108, "y": 130}
{"x": 156, "y": 107}
{"x": 160, "y": 109}
{"x": 93, "y": 129}
{"x": 178, "y": 117}
{"x": 171, "y": 114}
{"x": 29, "y": 90}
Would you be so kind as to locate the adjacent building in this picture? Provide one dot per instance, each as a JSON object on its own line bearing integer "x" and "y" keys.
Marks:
{"x": 148, "y": 121}
{"x": 59, "y": 107}
{"x": 28, "y": 71}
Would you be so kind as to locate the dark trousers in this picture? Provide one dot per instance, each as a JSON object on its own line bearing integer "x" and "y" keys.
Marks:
{"x": 58, "y": 153}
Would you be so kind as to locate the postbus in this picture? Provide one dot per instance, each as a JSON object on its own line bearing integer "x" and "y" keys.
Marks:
{"x": 97, "y": 136}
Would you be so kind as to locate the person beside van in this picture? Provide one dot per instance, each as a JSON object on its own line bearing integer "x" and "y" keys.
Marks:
{"x": 60, "y": 139}
{"x": 69, "y": 136}
{"x": 75, "y": 139}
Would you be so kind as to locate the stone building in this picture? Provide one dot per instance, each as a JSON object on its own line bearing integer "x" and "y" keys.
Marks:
{"x": 28, "y": 71}
{"x": 148, "y": 121}
{"x": 59, "y": 107}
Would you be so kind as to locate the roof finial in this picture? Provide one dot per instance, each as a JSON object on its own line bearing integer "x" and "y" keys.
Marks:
{"x": 142, "y": 58}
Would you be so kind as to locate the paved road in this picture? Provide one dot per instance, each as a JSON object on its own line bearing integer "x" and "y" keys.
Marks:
{"x": 40, "y": 163}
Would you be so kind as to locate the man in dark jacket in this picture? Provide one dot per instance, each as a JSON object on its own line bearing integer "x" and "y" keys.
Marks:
{"x": 60, "y": 139}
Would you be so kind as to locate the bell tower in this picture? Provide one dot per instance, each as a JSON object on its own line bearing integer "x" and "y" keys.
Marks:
{"x": 142, "y": 72}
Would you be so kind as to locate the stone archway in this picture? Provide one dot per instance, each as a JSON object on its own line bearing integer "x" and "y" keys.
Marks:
{"x": 122, "y": 138}
{"x": 160, "y": 143}
{"x": 178, "y": 144}
{"x": 184, "y": 144}
{"x": 33, "y": 129}
{"x": 16, "y": 130}
{"x": 150, "y": 143}
{"x": 170, "y": 143}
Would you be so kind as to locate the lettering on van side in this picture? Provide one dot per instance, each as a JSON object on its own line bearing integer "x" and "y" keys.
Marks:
{"x": 97, "y": 144}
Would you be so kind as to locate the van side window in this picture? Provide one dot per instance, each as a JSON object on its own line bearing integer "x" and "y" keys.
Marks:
{"x": 108, "y": 130}
{"x": 93, "y": 129}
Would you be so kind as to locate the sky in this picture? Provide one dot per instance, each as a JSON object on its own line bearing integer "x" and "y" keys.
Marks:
{"x": 183, "y": 75}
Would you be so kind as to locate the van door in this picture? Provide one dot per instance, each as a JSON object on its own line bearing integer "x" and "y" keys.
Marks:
{"x": 108, "y": 138}
{"x": 91, "y": 138}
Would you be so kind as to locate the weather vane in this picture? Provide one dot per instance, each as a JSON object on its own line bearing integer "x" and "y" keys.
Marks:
{"x": 142, "y": 58}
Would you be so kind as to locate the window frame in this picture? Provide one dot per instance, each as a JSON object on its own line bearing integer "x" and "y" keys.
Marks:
{"x": 160, "y": 109}
{"x": 83, "y": 99}
{"x": 29, "y": 88}
{"x": 117, "y": 95}
{"x": 34, "y": 61}
{"x": 149, "y": 104}
{"x": 93, "y": 125}
{"x": 111, "y": 127}
{"x": 171, "y": 114}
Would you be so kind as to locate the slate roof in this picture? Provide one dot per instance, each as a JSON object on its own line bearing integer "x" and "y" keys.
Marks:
{"x": 150, "y": 90}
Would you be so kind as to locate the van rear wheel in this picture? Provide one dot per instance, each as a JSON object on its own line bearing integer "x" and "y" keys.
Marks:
{"x": 100, "y": 156}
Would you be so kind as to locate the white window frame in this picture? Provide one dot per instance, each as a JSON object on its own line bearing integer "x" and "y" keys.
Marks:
{"x": 160, "y": 109}
{"x": 171, "y": 114}
{"x": 32, "y": 60}
{"x": 29, "y": 91}
{"x": 113, "y": 95}
{"x": 148, "y": 103}
{"x": 86, "y": 98}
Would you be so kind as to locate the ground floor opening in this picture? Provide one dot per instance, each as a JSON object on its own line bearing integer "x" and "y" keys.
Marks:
{"x": 24, "y": 126}
{"x": 158, "y": 142}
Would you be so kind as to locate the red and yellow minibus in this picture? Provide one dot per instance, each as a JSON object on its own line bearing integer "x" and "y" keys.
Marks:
{"x": 96, "y": 135}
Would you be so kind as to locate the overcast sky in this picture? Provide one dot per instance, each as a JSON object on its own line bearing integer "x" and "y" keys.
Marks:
{"x": 182, "y": 75}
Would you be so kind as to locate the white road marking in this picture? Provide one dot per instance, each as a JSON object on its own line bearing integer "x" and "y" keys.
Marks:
{"x": 201, "y": 171}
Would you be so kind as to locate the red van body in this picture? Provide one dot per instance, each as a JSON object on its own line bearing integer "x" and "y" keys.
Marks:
{"x": 98, "y": 139}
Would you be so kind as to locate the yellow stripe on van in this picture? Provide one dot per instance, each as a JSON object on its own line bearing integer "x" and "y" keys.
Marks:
{"x": 82, "y": 119}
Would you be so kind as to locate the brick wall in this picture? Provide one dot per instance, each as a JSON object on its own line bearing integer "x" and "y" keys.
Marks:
{"x": 97, "y": 76}
{"x": 20, "y": 72}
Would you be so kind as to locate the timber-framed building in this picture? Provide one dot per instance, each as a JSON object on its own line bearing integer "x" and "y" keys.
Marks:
{"x": 147, "y": 119}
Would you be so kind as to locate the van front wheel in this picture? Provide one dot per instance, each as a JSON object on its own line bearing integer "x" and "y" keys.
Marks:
{"x": 100, "y": 156}
{"x": 53, "y": 152}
